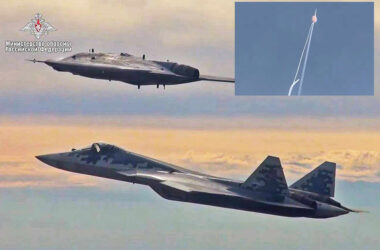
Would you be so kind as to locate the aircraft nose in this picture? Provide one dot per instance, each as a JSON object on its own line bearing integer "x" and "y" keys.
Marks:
{"x": 50, "y": 159}
{"x": 50, "y": 62}
{"x": 56, "y": 64}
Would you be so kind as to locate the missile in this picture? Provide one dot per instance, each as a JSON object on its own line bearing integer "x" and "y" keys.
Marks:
{"x": 314, "y": 19}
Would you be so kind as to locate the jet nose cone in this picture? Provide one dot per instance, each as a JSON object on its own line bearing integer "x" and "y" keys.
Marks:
{"x": 56, "y": 64}
{"x": 50, "y": 159}
{"x": 50, "y": 62}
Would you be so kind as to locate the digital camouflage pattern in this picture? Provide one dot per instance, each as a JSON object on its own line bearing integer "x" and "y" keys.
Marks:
{"x": 268, "y": 177}
{"x": 265, "y": 191}
{"x": 321, "y": 180}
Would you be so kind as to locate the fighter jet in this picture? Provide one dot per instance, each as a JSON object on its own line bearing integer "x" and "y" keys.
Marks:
{"x": 265, "y": 191}
{"x": 130, "y": 69}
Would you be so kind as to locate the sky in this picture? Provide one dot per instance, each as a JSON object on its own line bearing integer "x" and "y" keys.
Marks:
{"x": 201, "y": 126}
{"x": 52, "y": 208}
{"x": 270, "y": 38}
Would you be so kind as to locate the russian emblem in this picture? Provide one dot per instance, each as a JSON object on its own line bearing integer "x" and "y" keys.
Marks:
{"x": 38, "y": 26}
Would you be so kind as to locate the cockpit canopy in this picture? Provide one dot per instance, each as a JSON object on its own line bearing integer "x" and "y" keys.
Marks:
{"x": 95, "y": 147}
{"x": 99, "y": 147}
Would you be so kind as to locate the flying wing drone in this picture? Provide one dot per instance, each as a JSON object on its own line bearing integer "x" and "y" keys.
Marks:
{"x": 130, "y": 69}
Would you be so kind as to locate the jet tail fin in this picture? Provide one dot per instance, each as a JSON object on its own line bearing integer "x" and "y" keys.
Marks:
{"x": 268, "y": 177}
{"x": 216, "y": 78}
{"x": 321, "y": 180}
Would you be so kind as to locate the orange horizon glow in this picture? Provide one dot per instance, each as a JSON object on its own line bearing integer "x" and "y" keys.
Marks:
{"x": 225, "y": 152}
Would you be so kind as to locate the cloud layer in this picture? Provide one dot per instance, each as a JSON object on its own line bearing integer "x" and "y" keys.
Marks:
{"x": 225, "y": 151}
{"x": 352, "y": 165}
{"x": 19, "y": 174}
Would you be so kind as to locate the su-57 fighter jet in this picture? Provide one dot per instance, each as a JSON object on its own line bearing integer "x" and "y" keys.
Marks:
{"x": 130, "y": 69}
{"x": 265, "y": 191}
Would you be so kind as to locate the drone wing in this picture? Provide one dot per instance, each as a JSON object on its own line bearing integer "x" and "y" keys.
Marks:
{"x": 216, "y": 78}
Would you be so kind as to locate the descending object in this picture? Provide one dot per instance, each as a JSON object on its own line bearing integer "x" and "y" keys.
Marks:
{"x": 303, "y": 59}
{"x": 265, "y": 191}
{"x": 130, "y": 69}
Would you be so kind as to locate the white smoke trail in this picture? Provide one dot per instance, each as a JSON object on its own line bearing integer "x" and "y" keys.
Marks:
{"x": 299, "y": 64}
{"x": 307, "y": 46}
{"x": 305, "y": 62}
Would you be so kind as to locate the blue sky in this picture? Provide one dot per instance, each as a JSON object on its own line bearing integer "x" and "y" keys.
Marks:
{"x": 270, "y": 36}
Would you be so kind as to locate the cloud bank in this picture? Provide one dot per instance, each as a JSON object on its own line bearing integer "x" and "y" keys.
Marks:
{"x": 226, "y": 151}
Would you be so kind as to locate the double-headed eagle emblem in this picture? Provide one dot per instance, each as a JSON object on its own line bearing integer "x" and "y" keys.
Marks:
{"x": 38, "y": 26}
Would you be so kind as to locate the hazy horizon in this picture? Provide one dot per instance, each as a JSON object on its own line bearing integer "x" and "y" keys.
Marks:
{"x": 201, "y": 126}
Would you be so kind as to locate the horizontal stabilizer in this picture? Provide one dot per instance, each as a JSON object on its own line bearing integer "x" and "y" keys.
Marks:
{"x": 268, "y": 177}
{"x": 216, "y": 78}
{"x": 321, "y": 180}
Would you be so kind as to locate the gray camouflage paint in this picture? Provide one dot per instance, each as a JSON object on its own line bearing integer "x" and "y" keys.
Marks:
{"x": 268, "y": 177}
{"x": 265, "y": 191}
{"x": 321, "y": 180}
{"x": 130, "y": 69}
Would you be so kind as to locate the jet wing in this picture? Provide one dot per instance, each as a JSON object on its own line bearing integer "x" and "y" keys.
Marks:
{"x": 147, "y": 66}
{"x": 216, "y": 78}
{"x": 147, "y": 69}
{"x": 192, "y": 184}
{"x": 194, "y": 188}
{"x": 164, "y": 166}
{"x": 125, "y": 67}
{"x": 179, "y": 186}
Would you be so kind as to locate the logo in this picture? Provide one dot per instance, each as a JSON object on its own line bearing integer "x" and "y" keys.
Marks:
{"x": 38, "y": 26}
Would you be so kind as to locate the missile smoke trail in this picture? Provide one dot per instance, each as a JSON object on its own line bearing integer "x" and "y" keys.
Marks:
{"x": 299, "y": 64}
{"x": 307, "y": 46}
{"x": 304, "y": 64}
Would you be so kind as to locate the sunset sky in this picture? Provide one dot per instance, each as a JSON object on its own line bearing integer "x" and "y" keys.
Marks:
{"x": 200, "y": 126}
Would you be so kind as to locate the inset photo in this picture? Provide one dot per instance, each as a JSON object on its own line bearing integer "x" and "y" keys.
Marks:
{"x": 304, "y": 48}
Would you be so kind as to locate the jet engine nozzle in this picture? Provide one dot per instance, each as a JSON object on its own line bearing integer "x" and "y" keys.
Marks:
{"x": 184, "y": 70}
{"x": 324, "y": 210}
